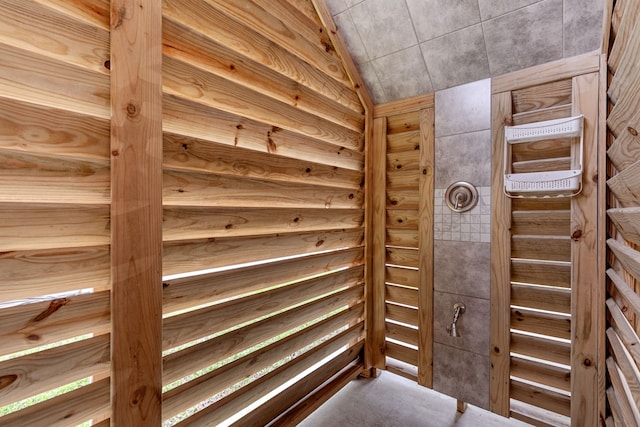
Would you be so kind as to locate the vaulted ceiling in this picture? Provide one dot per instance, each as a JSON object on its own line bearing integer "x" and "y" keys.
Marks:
{"x": 410, "y": 47}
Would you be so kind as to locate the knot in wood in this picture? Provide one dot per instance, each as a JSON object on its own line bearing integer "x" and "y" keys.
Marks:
{"x": 576, "y": 235}
{"x": 132, "y": 109}
{"x": 632, "y": 131}
{"x": 587, "y": 362}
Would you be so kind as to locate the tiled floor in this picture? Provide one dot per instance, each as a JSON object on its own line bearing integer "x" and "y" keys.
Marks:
{"x": 394, "y": 401}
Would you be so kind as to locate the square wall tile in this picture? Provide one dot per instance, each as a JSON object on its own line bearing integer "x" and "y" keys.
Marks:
{"x": 461, "y": 374}
{"x": 581, "y": 15}
{"x": 464, "y": 108}
{"x": 463, "y": 157}
{"x": 473, "y": 325}
{"x": 403, "y": 74}
{"x": 494, "y": 8}
{"x": 463, "y": 268}
{"x": 524, "y": 38}
{"x": 370, "y": 77}
{"x": 384, "y": 26}
{"x": 336, "y": 6}
{"x": 457, "y": 58}
{"x": 351, "y": 38}
{"x": 434, "y": 18}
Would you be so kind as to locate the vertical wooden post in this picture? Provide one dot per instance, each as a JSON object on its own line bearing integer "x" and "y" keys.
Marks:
{"x": 425, "y": 236}
{"x": 136, "y": 212}
{"x": 376, "y": 252}
{"x": 587, "y": 296}
{"x": 500, "y": 261}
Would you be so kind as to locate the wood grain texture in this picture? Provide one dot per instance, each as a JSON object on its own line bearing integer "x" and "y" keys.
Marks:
{"x": 538, "y": 272}
{"x": 628, "y": 257}
{"x": 541, "y": 397}
{"x": 629, "y": 412}
{"x": 628, "y": 369}
{"x": 405, "y": 106}
{"x": 402, "y": 353}
{"x": 542, "y": 348}
{"x": 546, "y": 248}
{"x": 627, "y": 221}
{"x": 624, "y": 34}
{"x": 627, "y": 70}
{"x": 136, "y": 210}
{"x": 547, "y": 324}
{"x": 625, "y": 186}
{"x": 541, "y": 298}
{"x": 624, "y": 330}
{"x": 93, "y": 12}
{"x": 543, "y": 373}
{"x": 542, "y": 96}
{"x": 625, "y": 150}
{"x": 403, "y": 256}
{"x": 632, "y": 299}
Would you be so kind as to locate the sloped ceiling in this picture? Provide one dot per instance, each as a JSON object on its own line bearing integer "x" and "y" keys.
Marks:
{"x": 405, "y": 48}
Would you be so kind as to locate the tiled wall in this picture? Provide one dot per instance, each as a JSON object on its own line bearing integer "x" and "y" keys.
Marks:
{"x": 462, "y": 243}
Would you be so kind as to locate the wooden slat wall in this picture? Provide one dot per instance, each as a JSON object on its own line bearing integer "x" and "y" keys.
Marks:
{"x": 403, "y": 227}
{"x": 622, "y": 43}
{"x": 547, "y": 346}
{"x": 248, "y": 121}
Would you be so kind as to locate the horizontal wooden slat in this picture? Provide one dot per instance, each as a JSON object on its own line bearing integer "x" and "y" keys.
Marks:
{"x": 30, "y": 178}
{"x": 404, "y": 107}
{"x": 628, "y": 257}
{"x": 537, "y": 150}
{"x": 402, "y": 314}
{"x": 554, "y": 325}
{"x": 627, "y": 221}
{"x": 543, "y": 373}
{"x": 31, "y": 128}
{"x": 402, "y": 276}
{"x": 625, "y": 186}
{"x": 549, "y": 113}
{"x": 31, "y": 325}
{"x": 255, "y": 46}
{"x": 403, "y": 257}
{"x": 196, "y": 223}
{"x": 36, "y": 373}
{"x": 402, "y": 238}
{"x": 181, "y": 258}
{"x": 94, "y": 12}
{"x": 402, "y": 333}
{"x": 624, "y": 330}
{"x": 541, "y": 223}
{"x": 183, "y": 117}
{"x": 193, "y": 392}
{"x": 402, "y": 353}
{"x": 545, "y": 95}
{"x": 408, "y": 219}
{"x": 403, "y": 180}
{"x": 196, "y": 155}
{"x": 541, "y": 348}
{"x": 403, "y": 161}
{"x": 403, "y": 122}
{"x": 182, "y": 293}
{"x": 401, "y": 295}
{"x": 623, "y": 288}
{"x": 537, "y": 416}
{"x": 550, "y": 248}
{"x": 26, "y": 76}
{"x": 402, "y": 142}
{"x": 180, "y": 329}
{"x": 541, "y": 298}
{"x": 541, "y": 397}
{"x": 549, "y": 273}
{"x": 31, "y": 227}
{"x": 26, "y": 274}
{"x": 72, "y": 408}
{"x": 544, "y": 165}
{"x": 184, "y": 362}
{"x": 402, "y": 199}
{"x": 544, "y": 204}
{"x": 625, "y": 150}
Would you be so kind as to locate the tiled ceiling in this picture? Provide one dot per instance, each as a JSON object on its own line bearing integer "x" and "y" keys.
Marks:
{"x": 405, "y": 48}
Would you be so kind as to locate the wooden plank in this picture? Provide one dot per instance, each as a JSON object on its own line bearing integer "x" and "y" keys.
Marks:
{"x": 402, "y": 238}
{"x": 624, "y": 330}
{"x": 624, "y": 115}
{"x": 94, "y": 12}
{"x": 544, "y": 398}
{"x": 549, "y": 248}
{"x": 26, "y": 274}
{"x": 201, "y": 388}
{"x": 402, "y": 353}
{"x": 136, "y": 210}
{"x": 27, "y": 326}
{"x": 196, "y": 223}
{"x": 402, "y": 199}
{"x": 541, "y": 223}
{"x": 402, "y": 314}
{"x": 542, "y": 96}
{"x": 39, "y": 372}
{"x": 406, "y": 105}
{"x": 403, "y": 122}
{"x": 75, "y": 407}
{"x": 625, "y": 150}
{"x": 188, "y": 82}
{"x": 403, "y": 333}
{"x": 548, "y": 324}
{"x": 190, "y": 326}
{"x": 182, "y": 363}
{"x": 405, "y": 141}
{"x": 197, "y": 155}
{"x": 403, "y": 180}
{"x": 537, "y": 272}
{"x": 32, "y": 27}
{"x": 198, "y": 189}
{"x": 626, "y": 65}
{"x": 500, "y": 257}
{"x": 405, "y": 219}
{"x": 628, "y": 368}
{"x": 28, "y": 178}
{"x": 402, "y": 295}
{"x": 551, "y": 71}
{"x": 31, "y": 227}
{"x": 624, "y": 33}
{"x": 543, "y": 373}
{"x": 186, "y": 292}
{"x": 537, "y": 416}
{"x": 184, "y": 44}
{"x": 625, "y": 185}
{"x": 548, "y": 204}
{"x": 247, "y": 42}
{"x": 541, "y": 298}
{"x": 549, "y": 113}
{"x": 183, "y": 117}
{"x": 629, "y": 412}
{"x": 544, "y": 165}
{"x": 405, "y": 257}
{"x": 43, "y": 130}
{"x": 538, "y": 150}
{"x": 627, "y": 221}
{"x": 631, "y": 298}
{"x": 29, "y": 77}
{"x": 627, "y": 256}
{"x": 403, "y": 276}
{"x": 614, "y": 406}
{"x": 556, "y": 351}
{"x": 403, "y": 161}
